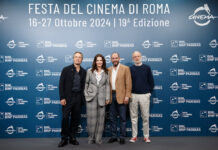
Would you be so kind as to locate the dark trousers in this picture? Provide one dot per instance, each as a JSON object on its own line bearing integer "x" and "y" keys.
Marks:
{"x": 114, "y": 109}
{"x": 71, "y": 116}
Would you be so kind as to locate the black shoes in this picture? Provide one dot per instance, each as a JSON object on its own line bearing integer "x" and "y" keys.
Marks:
{"x": 62, "y": 143}
{"x": 122, "y": 141}
{"x": 73, "y": 141}
{"x": 112, "y": 140}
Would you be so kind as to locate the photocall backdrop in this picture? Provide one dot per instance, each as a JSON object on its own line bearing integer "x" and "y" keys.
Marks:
{"x": 177, "y": 38}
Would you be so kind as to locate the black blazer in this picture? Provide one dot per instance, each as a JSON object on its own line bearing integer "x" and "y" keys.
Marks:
{"x": 66, "y": 82}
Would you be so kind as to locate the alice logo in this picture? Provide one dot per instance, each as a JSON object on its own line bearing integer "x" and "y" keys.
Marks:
{"x": 202, "y": 16}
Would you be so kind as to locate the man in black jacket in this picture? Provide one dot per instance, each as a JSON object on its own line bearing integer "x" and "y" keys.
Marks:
{"x": 71, "y": 87}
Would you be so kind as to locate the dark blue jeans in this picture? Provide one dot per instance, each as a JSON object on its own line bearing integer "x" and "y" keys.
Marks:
{"x": 117, "y": 109}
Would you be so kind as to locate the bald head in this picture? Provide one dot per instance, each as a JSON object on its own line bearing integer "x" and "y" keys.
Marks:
{"x": 137, "y": 58}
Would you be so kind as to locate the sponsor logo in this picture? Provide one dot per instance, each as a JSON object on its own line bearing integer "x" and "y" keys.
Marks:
{"x": 156, "y": 101}
{"x": 41, "y": 59}
{"x": 208, "y": 114}
{"x": 182, "y": 100}
{"x": 9, "y": 87}
{"x": 175, "y": 86}
{"x": 19, "y": 73}
{"x": 112, "y": 44}
{"x": 48, "y": 115}
{"x": 50, "y": 44}
{"x": 9, "y": 115}
{"x": 207, "y": 58}
{"x": 11, "y": 44}
{"x": 183, "y": 128}
{"x": 47, "y": 73}
{"x": 147, "y": 59}
{"x": 156, "y": 115}
{"x": 148, "y": 44}
{"x": 2, "y": 18}
{"x": 182, "y": 72}
{"x": 213, "y": 43}
{"x": 175, "y": 114}
{"x": 207, "y": 86}
{"x": 202, "y": 16}
{"x": 81, "y": 44}
{"x": 156, "y": 73}
{"x": 178, "y": 43}
{"x": 213, "y": 100}
{"x": 212, "y": 72}
{"x": 46, "y": 101}
{"x": 213, "y": 128}
{"x": 9, "y": 59}
{"x": 47, "y": 129}
{"x": 156, "y": 129}
{"x": 19, "y": 101}
{"x": 175, "y": 58}
{"x": 11, "y": 130}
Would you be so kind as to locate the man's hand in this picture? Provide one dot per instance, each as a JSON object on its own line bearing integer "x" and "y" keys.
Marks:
{"x": 107, "y": 102}
{"x": 126, "y": 100}
{"x": 63, "y": 102}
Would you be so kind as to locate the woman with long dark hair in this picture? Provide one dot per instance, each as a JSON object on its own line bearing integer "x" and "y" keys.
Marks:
{"x": 97, "y": 94}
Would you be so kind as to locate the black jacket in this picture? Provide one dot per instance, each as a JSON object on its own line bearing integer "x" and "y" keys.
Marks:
{"x": 66, "y": 82}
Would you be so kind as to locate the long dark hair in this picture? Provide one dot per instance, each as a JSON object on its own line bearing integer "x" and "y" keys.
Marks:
{"x": 94, "y": 66}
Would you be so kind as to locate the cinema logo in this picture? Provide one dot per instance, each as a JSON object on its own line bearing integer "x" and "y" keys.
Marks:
{"x": 9, "y": 59}
{"x": 148, "y": 44}
{"x": 11, "y": 130}
{"x": 11, "y": 44}
{"x": 48, "y": 115}
{"x": 183, "y": 128}
{"x": 175, "y": 114}
{"x": 202, "y": 16}
{"x": 175, "y": 58}
{"x": 19, "y": 101}
{"x": 115, "y": 44}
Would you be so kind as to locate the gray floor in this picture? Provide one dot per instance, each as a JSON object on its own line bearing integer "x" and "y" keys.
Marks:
{"x": 158, "y": 143}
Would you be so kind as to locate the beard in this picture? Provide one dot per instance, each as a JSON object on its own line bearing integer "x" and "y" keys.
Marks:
{"x": 116, "y": 63}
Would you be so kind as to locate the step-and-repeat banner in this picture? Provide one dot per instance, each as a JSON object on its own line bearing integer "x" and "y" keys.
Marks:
{"x": 177, "y": 38}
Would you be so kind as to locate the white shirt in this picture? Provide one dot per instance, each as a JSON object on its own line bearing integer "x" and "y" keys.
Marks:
{"x": 98, "y": 76}
{"x": 114, "y": 76}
